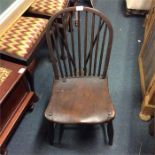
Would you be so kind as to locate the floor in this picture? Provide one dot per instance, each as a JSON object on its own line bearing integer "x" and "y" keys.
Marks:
{"x": 131, "y": 134}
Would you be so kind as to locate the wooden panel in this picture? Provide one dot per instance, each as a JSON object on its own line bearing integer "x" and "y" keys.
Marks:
{"x": 12, "y": 13}
{"x": 153, "y": 3}
{"x": 147, "y": 68}
{"x": 19, "y": 111}
{"x": 148, "y": 105}
{"x": 149, "y": 20}
{"x": 15, "y": 96}
{"x": 17, "y": 72}
{"x": 8, "y": 107}
{"x": 146, "y": 58}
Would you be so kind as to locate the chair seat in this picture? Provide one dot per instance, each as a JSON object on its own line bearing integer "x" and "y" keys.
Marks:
{"x": 47, "y": 7}
{"x": 22, "y": 36}
{"x": 80, "y": 100}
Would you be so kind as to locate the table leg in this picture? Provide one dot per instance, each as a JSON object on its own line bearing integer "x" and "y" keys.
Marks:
{"x": 3, "y": 150}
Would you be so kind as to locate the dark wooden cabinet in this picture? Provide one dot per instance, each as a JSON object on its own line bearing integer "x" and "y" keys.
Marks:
{"x": 15, "y": 98}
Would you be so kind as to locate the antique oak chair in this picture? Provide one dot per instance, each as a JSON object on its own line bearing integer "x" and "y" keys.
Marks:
{"x": 80, "y": 59}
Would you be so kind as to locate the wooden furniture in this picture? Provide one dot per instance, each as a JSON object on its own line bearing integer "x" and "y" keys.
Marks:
{"x": 147, "y": 70}
{"x": 15, "y": 97}
{"x": 80, "y": 93}
{"x": 152, "y": 128}
{"x": 13, "y": 9}
{"x": 21, "y": 35}
{"x": 86, "y": 3}
{"x": 47, "y": 8}
{"x": 18, "y": 44}
{"x": 149, "y": 19}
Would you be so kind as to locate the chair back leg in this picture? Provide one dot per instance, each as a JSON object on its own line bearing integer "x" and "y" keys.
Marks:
{"x": 110, "y": 132}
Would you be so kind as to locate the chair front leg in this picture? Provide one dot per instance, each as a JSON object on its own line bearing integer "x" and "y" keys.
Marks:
{"x": 110, "y": 132}
{"x": 61, "y": 132}
{"x": 51, "y": 127}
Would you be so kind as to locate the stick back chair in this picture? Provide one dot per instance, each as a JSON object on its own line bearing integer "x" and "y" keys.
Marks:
{"x": 80, "y": 56}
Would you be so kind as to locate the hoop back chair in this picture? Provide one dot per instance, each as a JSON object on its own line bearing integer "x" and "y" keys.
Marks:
{"x": 80, "y": 56}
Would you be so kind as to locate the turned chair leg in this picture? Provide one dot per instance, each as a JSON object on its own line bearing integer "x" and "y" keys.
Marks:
{"x": 61, "y": 132}
{"x": 110, "y": 132}
{"x": 51, "y": 127}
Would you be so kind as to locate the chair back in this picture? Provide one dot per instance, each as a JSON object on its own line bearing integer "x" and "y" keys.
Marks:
{"x": 80, "y": 41}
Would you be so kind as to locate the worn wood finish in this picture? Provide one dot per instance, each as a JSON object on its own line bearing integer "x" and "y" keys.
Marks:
{"x": 73, "y": 95}
{"x": 149, "y": 21}
{"x": 146, "y": 56}
{"x": 147, "y": 71}
{"x": 148, "y": 105}
{"x": 11, "y": 112}
{"x": 80, "y": 92}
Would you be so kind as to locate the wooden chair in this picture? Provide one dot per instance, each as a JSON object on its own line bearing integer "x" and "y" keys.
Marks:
{"x": 88, "y": 3}
{"x": 80, "y": 59}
